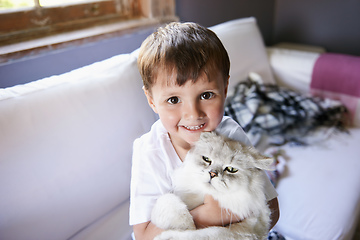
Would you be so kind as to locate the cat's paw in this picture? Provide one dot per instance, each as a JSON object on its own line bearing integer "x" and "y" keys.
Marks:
{"x": 170, "y": 212}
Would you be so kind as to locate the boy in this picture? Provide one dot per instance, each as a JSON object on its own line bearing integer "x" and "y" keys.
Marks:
{"x": 185, "y": 71}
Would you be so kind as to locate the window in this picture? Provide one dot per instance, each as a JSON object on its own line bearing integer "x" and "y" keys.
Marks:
{"x": 32, "y": 27}
{"x": 28, "y": 19}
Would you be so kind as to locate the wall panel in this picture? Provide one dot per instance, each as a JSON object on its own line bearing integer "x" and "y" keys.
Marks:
{"x": 333, "y": 24}
{"x": 211, "y": 12}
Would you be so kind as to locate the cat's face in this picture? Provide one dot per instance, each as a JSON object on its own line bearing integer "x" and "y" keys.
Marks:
{"x": 224, "y": 165}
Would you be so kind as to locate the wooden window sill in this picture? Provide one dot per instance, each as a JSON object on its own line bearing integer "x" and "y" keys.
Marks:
{"x": 12, "y": 52}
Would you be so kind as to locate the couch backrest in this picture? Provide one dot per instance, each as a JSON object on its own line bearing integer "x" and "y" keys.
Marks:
{"x": 243, "y": 41}
{"x": 65, "y": 148}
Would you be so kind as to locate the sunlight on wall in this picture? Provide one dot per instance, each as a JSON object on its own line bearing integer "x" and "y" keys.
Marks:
{"x": 11, "y": 4}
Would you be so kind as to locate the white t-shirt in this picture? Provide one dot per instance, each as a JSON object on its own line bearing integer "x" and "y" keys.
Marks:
{"x": 155, "y": 159}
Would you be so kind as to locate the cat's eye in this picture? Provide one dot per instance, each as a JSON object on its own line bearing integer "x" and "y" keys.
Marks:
{"x": 206, "y": 159}
{"x": 231, "y": 169}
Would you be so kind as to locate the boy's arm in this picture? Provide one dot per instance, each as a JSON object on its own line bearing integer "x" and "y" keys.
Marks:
{"x": 146, "y": 231}
{"x": 275, "y": 212}
{"x": 210, "y": 214}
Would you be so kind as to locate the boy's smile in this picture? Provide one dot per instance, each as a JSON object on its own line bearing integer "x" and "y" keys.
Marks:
{"x": 194, "y": 128}
{"x": 190, "y": 109}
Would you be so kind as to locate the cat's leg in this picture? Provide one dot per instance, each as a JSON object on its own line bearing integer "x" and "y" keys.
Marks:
{"x": 234, "y": 232}
{"x": 258, "y": 228}
{"x": 170, "y": 212}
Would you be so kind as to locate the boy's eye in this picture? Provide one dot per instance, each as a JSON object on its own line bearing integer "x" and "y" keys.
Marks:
{"x": 231, "y": 169}
{"x": 173, "y": 100}
{"x": 206, "y": 95}
{"x": 206, "y": 159}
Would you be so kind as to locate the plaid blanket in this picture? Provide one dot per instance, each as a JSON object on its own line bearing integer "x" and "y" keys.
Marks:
{"x": 282, "y": 115}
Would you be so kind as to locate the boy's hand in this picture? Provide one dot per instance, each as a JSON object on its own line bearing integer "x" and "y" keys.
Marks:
{"x": 213, "y": 207}
{"x": 208, "y": 199}
{"x": 146, "y": 231}
{"x": 211, "y": 214}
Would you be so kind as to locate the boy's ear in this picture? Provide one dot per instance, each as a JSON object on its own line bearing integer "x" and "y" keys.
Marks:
{"x": 227, "y": 86}
{"x": 150, "y": 100}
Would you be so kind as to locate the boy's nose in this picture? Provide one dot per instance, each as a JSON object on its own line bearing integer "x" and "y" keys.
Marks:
{"x": 193, "y": 111}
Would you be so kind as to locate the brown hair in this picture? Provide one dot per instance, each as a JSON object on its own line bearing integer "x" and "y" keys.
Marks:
{"x": 186, "y": 48}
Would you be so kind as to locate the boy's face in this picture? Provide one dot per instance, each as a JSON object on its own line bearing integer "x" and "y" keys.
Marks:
{"x": 188, "y": 110}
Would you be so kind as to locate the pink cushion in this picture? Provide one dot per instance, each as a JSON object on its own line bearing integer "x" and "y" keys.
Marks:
{"x": 337, "y": 76}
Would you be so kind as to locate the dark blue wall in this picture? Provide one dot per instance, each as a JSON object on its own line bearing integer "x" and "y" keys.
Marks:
{"x": 333, "y": 24}
{"x": 211, "y": 12}
{"x": 64, "y": 60}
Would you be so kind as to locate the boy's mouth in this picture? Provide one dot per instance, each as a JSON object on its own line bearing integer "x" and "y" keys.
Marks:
{"x": 194, "y": 128}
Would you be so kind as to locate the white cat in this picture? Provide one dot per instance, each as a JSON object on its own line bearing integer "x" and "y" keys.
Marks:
{"x": 228, "y": 171}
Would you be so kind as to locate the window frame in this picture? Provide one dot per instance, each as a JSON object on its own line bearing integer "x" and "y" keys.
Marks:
{"x": 35, "y": 22}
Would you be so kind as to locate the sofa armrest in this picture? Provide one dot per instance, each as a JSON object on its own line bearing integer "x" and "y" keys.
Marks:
{"x": 292, "y": 68}
{"x": 326, "y": 75}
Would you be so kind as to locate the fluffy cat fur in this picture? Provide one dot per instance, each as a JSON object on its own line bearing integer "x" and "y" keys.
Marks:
{"x": 228, "y": 171}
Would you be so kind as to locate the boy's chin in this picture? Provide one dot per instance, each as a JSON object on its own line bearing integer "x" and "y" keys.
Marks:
{"x": 193, "y": 139}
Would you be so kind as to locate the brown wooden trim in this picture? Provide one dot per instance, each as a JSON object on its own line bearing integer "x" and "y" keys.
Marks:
{"x": 39, "y": 22}
{"x": 35, "y": 47}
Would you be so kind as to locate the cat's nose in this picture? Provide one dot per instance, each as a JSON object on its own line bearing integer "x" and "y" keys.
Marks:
{"x": 213, "y": 173}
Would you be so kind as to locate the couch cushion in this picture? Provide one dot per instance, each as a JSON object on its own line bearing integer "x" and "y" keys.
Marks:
{"x": 113, "y": 226}
{"x": 65, "y": 148}
{"x": 243, "y": 41}
{"x": 337, "y": 76}
{"x": 292, "y": 68}
{"x": 319, "y": 193}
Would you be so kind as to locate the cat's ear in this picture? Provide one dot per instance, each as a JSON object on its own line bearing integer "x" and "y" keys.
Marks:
{"x": 261, "y": 161}
{"x": 264, "y": 163}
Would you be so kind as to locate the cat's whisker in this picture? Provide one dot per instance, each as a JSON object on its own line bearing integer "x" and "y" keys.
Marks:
{"x": 225, "y": 184}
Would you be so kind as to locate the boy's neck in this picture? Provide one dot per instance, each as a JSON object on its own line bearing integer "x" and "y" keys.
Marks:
{"x": 180, "y": 149}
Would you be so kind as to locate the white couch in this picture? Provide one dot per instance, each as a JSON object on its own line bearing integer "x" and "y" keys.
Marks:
{"x": 66, "y": 145}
